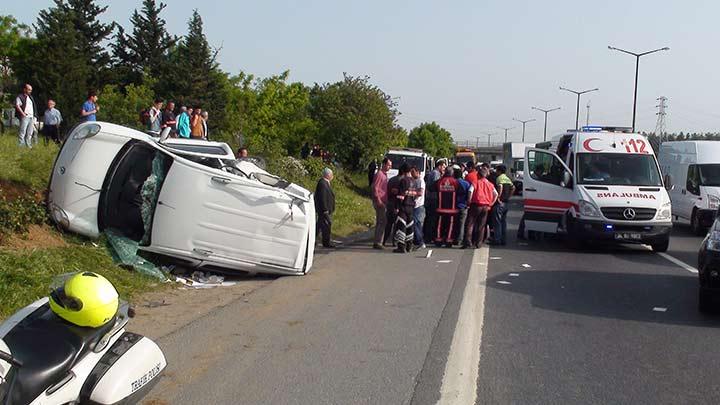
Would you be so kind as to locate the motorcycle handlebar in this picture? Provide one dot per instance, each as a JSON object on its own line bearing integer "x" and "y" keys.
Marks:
{"x": 10, "y": 359}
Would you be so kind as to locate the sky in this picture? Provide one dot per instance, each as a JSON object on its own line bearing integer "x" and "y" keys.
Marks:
{"x": 473, "y": 66}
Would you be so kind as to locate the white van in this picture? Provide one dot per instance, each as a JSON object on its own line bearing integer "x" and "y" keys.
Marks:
{"x": 413, "y": 157}
{"x": 691, "y": 170}
{"x": 186, "y": 199}
{"x": 599, "y": 183}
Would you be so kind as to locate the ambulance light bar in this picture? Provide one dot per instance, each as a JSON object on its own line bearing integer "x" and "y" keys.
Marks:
{"x": 600, "y": 128}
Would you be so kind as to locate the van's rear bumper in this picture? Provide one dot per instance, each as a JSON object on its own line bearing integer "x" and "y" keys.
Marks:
{"x": 609, "y": 232}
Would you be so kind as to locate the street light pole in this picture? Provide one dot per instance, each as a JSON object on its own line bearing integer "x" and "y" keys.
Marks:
{"x": 523, "y": 123}
{"x": 477, "y": 141}
{"x": 578, "y": 93}
{"x": 637, "y": 70}
{"x": 489, "y": 134}
{"x": 546, "y": 113}
{"x": 506, "y": 130}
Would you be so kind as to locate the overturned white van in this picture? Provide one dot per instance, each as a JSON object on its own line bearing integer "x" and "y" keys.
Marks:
{"x": 188, "y": 200}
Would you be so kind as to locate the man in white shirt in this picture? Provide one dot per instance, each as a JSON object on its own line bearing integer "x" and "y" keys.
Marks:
{"x": 419, "y": 211}
{"x": 25, "y": 111}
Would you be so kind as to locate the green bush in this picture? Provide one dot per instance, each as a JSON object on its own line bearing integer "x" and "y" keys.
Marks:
{"x": 17, "y": 214}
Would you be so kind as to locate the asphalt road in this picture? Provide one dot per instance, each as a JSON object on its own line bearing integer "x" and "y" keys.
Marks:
{"x": 615, "y": 325}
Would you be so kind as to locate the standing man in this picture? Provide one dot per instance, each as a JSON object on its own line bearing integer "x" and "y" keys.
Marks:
{"x": 431, "y": 198}
{"x": 90, "y": 107}
{"x": 404, "y": 224}
{"x": 505, "y": 189}
{"x": 393, "y": 188}
{"x": 379, "y": 200}
{"x": 204, "y": 125}
{"x": 168, "y": 117}
{"x": 25, "y": 112}
{"x": 51, "y": 123}
{"x": 183, "y": 123}
{"x": 465, "y": 189}
{"x": 419, "y": 212}
{"x": 325, "y": 206}
{"x": 483, "y": 197}
{"x": 447, "y": 208}
{"x": 155, "y": 119}
{"x": 196, "y": 127}
{"x": 242, "y": 152}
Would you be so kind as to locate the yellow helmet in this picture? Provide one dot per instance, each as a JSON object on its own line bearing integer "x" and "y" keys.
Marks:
{"x": 85, "y": 299}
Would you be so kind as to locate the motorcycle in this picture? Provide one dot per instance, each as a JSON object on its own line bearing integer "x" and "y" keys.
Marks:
{"x": 46, "y": 360}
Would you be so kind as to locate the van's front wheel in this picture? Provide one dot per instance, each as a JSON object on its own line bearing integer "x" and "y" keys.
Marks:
{"x": 695, "y": 225}
{"x": 661, "y": 246}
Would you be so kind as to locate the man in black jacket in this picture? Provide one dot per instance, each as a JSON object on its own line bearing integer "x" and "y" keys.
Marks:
{"x": 325, "y": 206}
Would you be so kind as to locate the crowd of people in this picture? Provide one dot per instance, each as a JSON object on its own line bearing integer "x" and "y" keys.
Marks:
{"x": 186, "y": 122}
{"x": 451, "y": 205}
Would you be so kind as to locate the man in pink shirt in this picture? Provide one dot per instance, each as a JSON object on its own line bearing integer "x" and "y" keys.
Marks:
{"x": 379, "y": 199}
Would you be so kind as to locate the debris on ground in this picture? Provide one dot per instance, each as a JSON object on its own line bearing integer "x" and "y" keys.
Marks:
{"x": 198, "y": 279}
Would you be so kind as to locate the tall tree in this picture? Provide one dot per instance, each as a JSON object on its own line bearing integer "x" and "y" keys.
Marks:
{"x": 145, "y": 51}
{"x": 432, "y": 138}
{"x": 356, "y": 119}
{"x": 12, "y": 35}
{"x": 193, "y": 76}
{"x": 84, "y": 16}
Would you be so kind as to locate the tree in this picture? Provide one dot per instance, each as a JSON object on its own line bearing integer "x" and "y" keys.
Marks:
{"x": 12, "y": 36}
{"x": 356, "y": 120}
{"x": 193, "y": 76}
{"x": 123, "y": 107}
{"x": 84, "y": 16}
{"x": 145, "y": 52}
{"x": 432, "y": 138}
{"x": 271, "y": 115}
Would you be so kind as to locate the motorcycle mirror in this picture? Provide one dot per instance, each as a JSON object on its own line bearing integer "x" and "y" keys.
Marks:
{"x": 164, "y": 135}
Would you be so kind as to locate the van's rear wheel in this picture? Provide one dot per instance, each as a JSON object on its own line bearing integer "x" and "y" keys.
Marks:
{"x": 661, "y": 246}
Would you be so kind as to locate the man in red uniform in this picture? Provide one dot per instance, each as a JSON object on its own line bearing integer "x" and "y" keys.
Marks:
{"x": 447, "y": 208}
{"x": 483, "y": 197}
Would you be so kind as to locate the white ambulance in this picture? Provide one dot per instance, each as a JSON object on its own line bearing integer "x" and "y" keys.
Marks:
{"x": 597, "y": 184}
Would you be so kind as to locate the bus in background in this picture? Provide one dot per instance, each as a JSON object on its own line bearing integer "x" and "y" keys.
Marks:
{"x": 464, "y": 155}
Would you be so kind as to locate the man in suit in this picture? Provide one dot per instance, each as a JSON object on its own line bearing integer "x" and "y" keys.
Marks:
{"x": 325, "y": 206}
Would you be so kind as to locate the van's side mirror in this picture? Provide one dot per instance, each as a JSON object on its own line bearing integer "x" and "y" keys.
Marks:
{"x": 512, "y": 170}
{"x": 567, "y": 180}
{"x": 668, "y": 182}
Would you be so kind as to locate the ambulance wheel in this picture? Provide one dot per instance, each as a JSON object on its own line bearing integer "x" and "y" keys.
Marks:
{"x": 661, "y": 246}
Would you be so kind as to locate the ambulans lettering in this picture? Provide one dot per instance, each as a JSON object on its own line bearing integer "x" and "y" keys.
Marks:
{"x": 627, "y": 195}
{"x": 137, "y": 384}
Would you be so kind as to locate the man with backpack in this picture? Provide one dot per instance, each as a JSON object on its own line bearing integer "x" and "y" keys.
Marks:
{"x": 25, "y": 111}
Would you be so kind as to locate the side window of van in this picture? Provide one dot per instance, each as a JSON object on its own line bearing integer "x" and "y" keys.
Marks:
{"x": 693, "y": 180}
{"x": 545, "y": 167}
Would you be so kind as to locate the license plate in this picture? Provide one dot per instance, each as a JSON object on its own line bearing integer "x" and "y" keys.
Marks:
{"x": 627, "y": 236}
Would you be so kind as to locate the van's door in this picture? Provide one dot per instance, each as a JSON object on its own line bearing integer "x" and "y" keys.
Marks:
{"x": 547, "y": 197}
{"x": 222, "y": 218}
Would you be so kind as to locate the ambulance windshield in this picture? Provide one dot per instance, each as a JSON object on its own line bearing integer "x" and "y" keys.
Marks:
{"x": 616, "y": 169}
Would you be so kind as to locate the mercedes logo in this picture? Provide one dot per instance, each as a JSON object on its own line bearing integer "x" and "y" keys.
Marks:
{"x": 629, "y": 213}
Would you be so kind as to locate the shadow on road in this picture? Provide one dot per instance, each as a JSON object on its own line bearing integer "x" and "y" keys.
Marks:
{"x": 623, "y": 296}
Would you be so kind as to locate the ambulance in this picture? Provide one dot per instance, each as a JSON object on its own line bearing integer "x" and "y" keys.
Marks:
{"x": 597, "y": 184}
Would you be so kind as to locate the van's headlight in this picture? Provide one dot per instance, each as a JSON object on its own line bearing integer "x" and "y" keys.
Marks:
{"x": 588, "y": 209}
{"x": 59, "y": 216}
{"x": 713, "y": 202}
{"x": 713, "y": 242}
{"x": 665, "y": 212}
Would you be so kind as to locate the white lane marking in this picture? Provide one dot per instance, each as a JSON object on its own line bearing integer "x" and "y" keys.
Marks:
{"x": 527, "y": 266}
{"x": 503, "y": 282}
{"x": 444, "y": 261}
{"x": 660, "y": 309}
{"x": 514, "y": 274}
{"x": 429, "y": 253}
{"x": 680, "y": 263}
{"x": 496, "y": 258}
{"x": 459, "y": 384}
